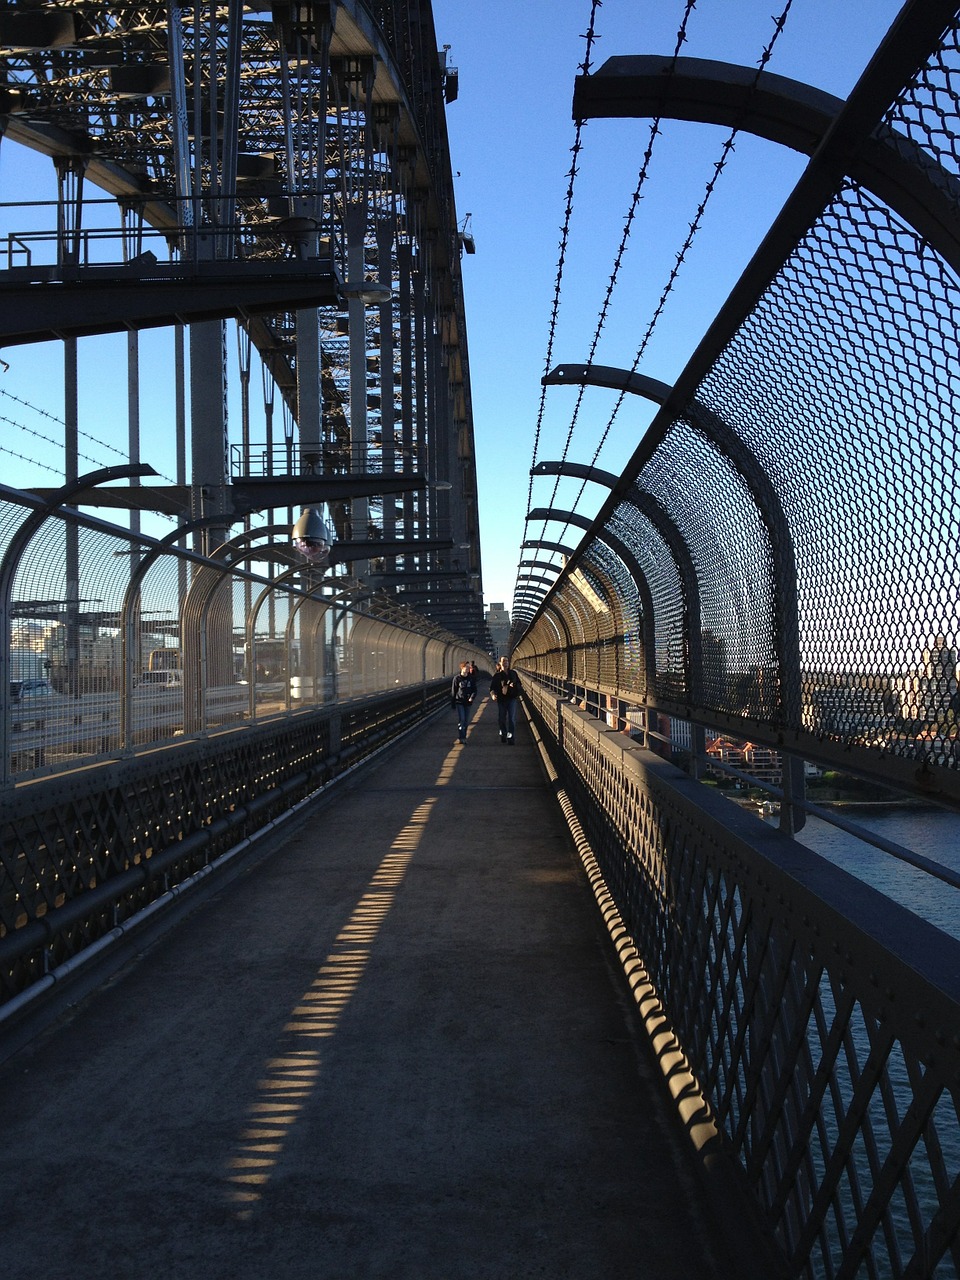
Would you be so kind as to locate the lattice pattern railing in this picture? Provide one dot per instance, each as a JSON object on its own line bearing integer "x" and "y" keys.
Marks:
{"x": 820, "y": 1019}
{"x": 81, "y": 854}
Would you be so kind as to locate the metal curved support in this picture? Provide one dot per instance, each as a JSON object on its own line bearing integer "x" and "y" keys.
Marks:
{"x": 60, "y": 498}
{"x": 10, "y": 562}
{"x": 199, "y": 597}
{"x": 605, "y": 375}
{"x": 128, "y": 640}
{"x": 770, "y": 509}
{"x": 295, "y": 607}
{"x": 684, "y": 565}
{"x": 648, "y": 506}
{"x": 310, "y": 651}
{"x": 531, "y": 543}
{"x": 595, "y": 475}
{"x": 787, "y": 112}
{"x": 765, "y": 496}
{"x": 546, "y": 565}
{"x": 538, "y": 577}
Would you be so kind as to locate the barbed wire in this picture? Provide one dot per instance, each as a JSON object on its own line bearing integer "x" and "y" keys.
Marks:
{"x": 694, "y": 226}
{"x": 38, "y": 435}
{"x": 590, "y": 36}
{"x": 693, "y": 229}
{"x": 33, "y": 461}
{"x": 58, "y": 444}
{"x": 641, "y": 179}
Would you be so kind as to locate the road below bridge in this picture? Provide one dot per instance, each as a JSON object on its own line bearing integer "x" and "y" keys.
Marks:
{"x": 398, "y": 1045}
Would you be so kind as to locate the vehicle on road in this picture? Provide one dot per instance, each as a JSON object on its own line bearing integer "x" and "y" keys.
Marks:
{"x": 160, "y": 680}
{"x": 21, "y": 690}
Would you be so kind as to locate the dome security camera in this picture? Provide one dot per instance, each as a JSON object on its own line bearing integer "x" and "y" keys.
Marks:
{"x": 313, "y": 537}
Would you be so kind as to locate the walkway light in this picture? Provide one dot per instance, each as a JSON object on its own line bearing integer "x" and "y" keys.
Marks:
{"x": 313, "y": 537}
{"x": 370, "y": 292}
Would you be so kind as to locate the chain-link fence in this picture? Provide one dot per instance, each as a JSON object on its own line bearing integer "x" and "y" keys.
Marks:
{"x": 791, "y": 534}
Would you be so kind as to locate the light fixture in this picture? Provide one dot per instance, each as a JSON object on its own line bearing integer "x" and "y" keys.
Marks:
{"x": 313, "y": 537}
{"x": 370, "y": 292}
{"x": 441, "y": 485}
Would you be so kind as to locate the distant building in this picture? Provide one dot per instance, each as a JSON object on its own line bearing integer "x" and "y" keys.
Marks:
{"x": 497, "y": 619}
{"x": 930, "y": 692}
{"x": 762, "y": 763}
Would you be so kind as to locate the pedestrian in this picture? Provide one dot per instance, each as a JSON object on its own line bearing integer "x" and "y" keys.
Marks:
{"x": 505, "y": 691}
{"x": 463, "y": 690}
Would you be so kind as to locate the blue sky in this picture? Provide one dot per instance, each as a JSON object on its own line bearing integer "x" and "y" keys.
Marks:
{"x": 511, "y": 132}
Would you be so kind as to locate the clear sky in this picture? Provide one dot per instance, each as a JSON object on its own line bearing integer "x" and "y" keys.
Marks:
{"x": 511, "y": 132}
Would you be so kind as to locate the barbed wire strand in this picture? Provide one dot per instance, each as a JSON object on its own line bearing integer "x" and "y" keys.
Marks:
{"x": 590, "y": 37}
{"x": 694, "y": 227}
{"x": 12, "y": 453}
{"x": 44, "y": 413}
{"x": 641, "y": 179}
{"x": 719, "y": 166}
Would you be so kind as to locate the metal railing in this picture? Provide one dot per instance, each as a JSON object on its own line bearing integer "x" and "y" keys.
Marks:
{"x": 779, "y": 559}
{"x": 159, "y": 706}
{"x": 818, "y": 1018}
{"x": 85, "y": 854}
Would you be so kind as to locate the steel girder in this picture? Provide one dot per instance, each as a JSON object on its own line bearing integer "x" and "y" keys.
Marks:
{"x": 282, "y": 158}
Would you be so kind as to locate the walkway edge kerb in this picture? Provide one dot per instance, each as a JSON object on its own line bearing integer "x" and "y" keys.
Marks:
{"x": 738, "y": 1223}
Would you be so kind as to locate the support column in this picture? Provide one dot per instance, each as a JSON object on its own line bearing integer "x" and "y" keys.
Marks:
{"x": 355, "y": 225}
{"x": 208, "y": 422}
{"x": 308, "y": 391}
{"x": 406, "y": 312}
{"x": 421, "y": 329}
{"x": 71, "y": 533}
{"x": 208, "y": 428}
{"x": 385, "y": 230}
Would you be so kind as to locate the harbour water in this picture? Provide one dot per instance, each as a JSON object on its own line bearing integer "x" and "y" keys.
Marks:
{"x": 932, "y": 832}
{"x": 935, "y": 834}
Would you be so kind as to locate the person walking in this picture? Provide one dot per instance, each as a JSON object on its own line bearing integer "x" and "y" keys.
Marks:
{"x": 505, "y": 692}
{"x": 463, "y": 690}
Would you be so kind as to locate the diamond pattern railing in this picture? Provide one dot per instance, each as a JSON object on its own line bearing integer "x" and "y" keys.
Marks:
{"x": 84, "y": 853}
{"x": 115, "y": 791}
{"x": 820, "y": 1019}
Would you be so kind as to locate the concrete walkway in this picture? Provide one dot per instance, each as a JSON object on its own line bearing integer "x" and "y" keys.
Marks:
{"x": 398, "y": 1047}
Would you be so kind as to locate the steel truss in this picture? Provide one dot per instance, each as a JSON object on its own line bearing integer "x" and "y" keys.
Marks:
{"x": 286, "y": 165}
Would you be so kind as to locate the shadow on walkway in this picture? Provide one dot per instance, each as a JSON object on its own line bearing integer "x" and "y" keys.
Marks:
{"x": 396, "y": 1047}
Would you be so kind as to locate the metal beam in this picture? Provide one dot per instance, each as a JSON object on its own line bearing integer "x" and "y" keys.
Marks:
{"x": 259, "y": 494}
{"x": 578, "y": 471}
{"x": 790, "y": 113}
{"x": 40, "y": 306}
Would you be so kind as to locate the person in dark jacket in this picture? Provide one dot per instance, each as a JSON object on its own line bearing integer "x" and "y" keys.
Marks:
{"x": 463, "y": 690}
{"x": 505, "y": 691}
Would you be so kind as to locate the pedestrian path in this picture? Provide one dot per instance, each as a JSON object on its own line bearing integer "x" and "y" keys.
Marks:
{"x": 397, "y": 1046}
